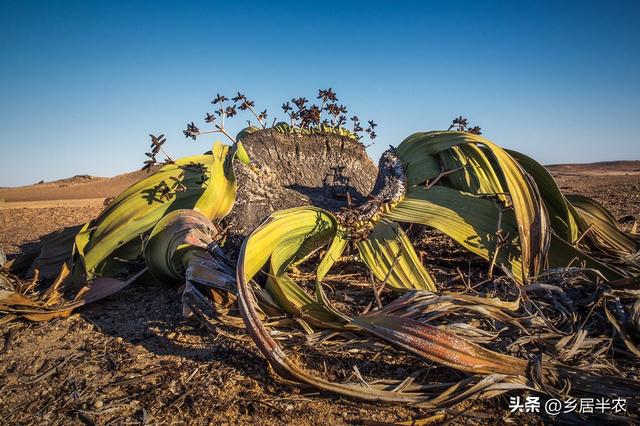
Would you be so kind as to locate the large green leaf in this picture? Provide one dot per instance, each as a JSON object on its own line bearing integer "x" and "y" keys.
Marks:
{"x": 530, "y": 213}
{"x": 285, "y": 238}
{"x": 388, "y": 253}
{"x": 116, "y": 234}
{"x": 476, "y": 173}
{"x": 561, "y": 215}
{"x": 608, "y": 233}
{"x": 470, "y": 220}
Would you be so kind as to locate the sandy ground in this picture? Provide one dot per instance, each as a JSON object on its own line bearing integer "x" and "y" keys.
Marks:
{"x": 23, "y": 222}
{"x": 133, "y": 359}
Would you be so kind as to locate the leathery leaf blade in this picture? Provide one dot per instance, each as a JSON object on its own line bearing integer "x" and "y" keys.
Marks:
{"x": 470, "y": 220}
{"x": 114, "y": 233}
{"x": 286, "y": 237}
{"x": 530, "y": 213}
{"x": 389, "y": 254}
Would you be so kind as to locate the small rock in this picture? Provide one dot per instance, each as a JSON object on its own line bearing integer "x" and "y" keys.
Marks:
{"x": 98, "y": 403}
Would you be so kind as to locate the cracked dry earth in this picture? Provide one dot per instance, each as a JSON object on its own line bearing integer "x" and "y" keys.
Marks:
{"x": 133, "y": 359}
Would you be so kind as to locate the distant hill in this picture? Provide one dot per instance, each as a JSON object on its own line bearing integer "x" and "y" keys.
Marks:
{"x": 76, "y": 187}
{"x": 601, "y": 167}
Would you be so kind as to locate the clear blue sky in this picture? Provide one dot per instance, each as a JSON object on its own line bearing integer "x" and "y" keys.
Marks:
{"x": 83, "y": 83}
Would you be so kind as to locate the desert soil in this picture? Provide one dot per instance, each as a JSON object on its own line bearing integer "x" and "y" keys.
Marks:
{"x": 133, "y": 358}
